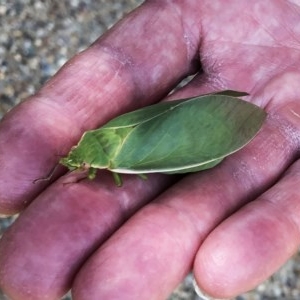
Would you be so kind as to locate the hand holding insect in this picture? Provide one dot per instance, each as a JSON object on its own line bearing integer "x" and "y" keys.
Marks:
{"x": 240, "y": 213}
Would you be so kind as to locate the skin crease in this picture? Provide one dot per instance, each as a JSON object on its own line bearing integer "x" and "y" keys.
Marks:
{"x": 241, "y": 216}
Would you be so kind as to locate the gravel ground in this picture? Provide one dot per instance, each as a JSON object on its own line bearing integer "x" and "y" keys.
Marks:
{"x": 38, "y": 37}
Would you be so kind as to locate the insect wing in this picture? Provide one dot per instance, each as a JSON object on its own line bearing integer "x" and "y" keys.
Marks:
{"x": 142, "y": 115}
{"x": 152, "y": 111}
{"x": 190, "y": 134}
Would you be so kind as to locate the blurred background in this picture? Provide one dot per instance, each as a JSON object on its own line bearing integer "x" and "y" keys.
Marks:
{"x": 37, "y": 37}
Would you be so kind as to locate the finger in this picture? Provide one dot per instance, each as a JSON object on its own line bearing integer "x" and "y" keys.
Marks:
{"x": 132, "y": 65}
{"x": 42, "y": 251}
{"x": 253, "y": 243}
{"x": 163, "y": 238}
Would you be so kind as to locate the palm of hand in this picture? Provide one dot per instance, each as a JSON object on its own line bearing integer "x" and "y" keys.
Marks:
{"x": 243, "y": 46}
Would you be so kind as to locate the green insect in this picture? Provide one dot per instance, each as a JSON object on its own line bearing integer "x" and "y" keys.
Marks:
{"x": 178, "y": 136}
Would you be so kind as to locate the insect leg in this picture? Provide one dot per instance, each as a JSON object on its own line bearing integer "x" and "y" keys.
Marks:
{"x": 142, "y": 176}
{"x": 117, "y": 179}
{"x": 92, "y": 173}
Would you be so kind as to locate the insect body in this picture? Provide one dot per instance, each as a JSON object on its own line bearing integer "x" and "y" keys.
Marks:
{"x": 169, "y": 137}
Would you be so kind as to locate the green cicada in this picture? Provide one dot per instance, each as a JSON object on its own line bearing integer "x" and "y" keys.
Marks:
{"x": 178, "y": 136}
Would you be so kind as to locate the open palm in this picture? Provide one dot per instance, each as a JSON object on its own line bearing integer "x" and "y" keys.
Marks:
{"x": 139, "y": 241}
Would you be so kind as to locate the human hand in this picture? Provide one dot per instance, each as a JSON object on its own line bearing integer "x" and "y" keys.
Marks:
{"x": 238, "y": 216}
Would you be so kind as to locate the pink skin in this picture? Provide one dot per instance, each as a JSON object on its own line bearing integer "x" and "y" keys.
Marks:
{"x": 235, "y": 224}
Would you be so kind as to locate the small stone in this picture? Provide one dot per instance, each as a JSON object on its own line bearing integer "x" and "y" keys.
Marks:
{"x": 2, "y": 10}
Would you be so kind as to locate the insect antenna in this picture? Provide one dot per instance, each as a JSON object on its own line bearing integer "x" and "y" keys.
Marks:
{"x": 48, "y": 177}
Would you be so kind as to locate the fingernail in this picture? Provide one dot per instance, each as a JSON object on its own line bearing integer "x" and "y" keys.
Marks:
{"x": 201, "y": 294}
